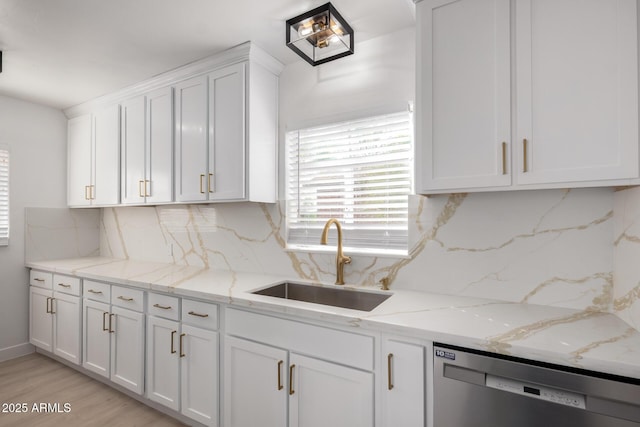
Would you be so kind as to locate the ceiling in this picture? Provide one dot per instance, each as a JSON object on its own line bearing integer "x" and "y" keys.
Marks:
{"x": 63, "y": 52}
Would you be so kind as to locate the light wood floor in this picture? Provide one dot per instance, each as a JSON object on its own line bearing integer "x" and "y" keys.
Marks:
{"x": 39, "y": 379}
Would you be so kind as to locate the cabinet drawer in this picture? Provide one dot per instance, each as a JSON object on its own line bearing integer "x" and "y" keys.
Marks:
{"x": 323, "y": 343}
{"x": 97, "y": 291}
{"x": 132, "y": 299}
{"x": 164, "y": 306}
{"x": 41, "y": 279}
{"x": 66, "y": 284}
{"x": 202, "y": 314}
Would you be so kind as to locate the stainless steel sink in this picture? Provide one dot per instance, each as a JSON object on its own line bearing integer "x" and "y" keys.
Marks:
{"x": 336, "y": 297}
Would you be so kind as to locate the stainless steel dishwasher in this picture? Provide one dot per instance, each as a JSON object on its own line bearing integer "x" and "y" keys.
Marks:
{"x": 479, "y": 389}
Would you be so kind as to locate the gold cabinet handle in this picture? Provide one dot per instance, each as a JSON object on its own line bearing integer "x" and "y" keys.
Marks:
{"x": 524, "y": 155}
{"x": 86, "y": 192}
{"x": 51, "y": 311}
{"x": 389, "y": 363}
{"x": 201, "y": 183}
{"x": 95, "y": 292}
{"x": 140, "y": 181}
{"x": 211, "y": 189}
{"x": 280, "y": 386}
{"x": 38, "y": 279}
{"x": 291, "y": 390}
{"x": 147, "y": 193}
{"x": 164, "y": 307}
{"x": 104, "y": 321}
{"x": 125, "y": 298}
{"x": 173, "y": 348}
{"x": 64, "y": 286}
{"x": 193, "y": 313}
{"x": 110, "y": 323}
{"x": 48, "y": 309}
{"x": 504, "y": 158}
{"x": 182, "y": 345}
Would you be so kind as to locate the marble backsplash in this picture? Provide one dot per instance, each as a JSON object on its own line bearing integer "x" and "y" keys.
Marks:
{"x": 552, "y": 247}
{"x": 626, "y": 260}
{"x": 53, "y": 233}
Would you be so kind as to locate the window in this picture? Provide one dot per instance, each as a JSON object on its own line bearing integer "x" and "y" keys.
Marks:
{"x": 359, "y": 172}
{"x": 4, "y": 196}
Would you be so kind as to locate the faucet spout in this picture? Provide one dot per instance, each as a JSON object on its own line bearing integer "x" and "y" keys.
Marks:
{"x": 341, "y": 259}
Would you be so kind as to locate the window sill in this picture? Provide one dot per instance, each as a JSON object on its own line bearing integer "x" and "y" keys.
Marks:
{"x": 331, "y": 249}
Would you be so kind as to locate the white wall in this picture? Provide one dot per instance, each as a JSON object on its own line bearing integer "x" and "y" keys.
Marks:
{"x": 36, "y": 137}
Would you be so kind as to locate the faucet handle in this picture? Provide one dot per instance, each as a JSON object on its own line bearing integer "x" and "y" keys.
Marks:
{"x": 385, "y": 283}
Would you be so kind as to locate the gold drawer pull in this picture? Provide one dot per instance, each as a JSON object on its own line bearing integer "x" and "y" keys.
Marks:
{"x": 63, "y": 285}
{"x": 389, "y": 380}
{"x": 140, "y": 181}
{"x": 95, "y": 292}
{"x": 173, "y": 348}
{"x": 504, "y": 158}
{"x": 48, "y": 301}
{"x": 104, "y": 321}
{"x": 110, "y": 323}
{"x": 125, "y": 298}
{"x": 280, "y": 386}
{"x": 524, "y": 156}
{"x": 38, "y": 280}
{"x": 181, "y": 345}
{"x": 164, "y": 307}
{"x": 211, "y": 189}
{"x": 291, "y": 390}
{"x": 147, "y": 194}
{"x": 201, "y": 183}
{"x": 193, "y": 313}
{"x": 86, "y": 192}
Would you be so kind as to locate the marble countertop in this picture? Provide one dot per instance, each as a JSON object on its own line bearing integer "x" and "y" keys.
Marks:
{"x": 583, "y": 339}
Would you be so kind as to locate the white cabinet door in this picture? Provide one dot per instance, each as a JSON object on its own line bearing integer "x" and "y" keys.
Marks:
{"x": 403, "y": 395}
{"x": 67, "y": 326}
{"x": 227, "y": 130}
{"x": 325, "y": 394}
{"x": 159, "y": 161}
{"x": 133, "y": 150}
{"x": 95, "y": 337}
{"x": 163, "y": 362}
{"x": 464, "y": 104}
{"x": 79, "y": 155}
{"x": 199, "y": 374}
{"x": 41, "y": 320}
{"x": 106, "y": 161}
{"x": 577, "y": 90}
{"x": 255, "y": 386}
{"x": 192, "y": 139}
{"x": 127, "y": 349}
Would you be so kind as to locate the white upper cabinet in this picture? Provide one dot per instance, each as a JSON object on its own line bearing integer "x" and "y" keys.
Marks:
{"x": 205, "y": 132}
{"x": 147, "y": 148}
{"x": 465, "y": 98}
{"x": 93, "y": 156}
{"x": 221, "y": 156}
{"x": 192, "y": 141}
{"x": 227, "y": 130}
{"x": 577, "y": 86}
{"x": 79, "y": 154}
{"x": 133, "y": 150}
{"x": 571, "y": 119}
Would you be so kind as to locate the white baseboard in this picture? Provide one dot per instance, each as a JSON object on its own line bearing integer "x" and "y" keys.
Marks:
{"x": 16, "y": 351}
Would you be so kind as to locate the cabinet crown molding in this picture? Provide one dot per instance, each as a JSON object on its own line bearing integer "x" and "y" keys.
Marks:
{"x": 244, "y": 52}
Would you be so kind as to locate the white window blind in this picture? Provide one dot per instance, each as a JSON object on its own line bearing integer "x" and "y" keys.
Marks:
{"x": 359, "y": 172}
{"x": 4, "y": 197}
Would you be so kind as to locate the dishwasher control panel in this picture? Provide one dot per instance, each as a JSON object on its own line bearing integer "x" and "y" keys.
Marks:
{"x": 536, "y": 391}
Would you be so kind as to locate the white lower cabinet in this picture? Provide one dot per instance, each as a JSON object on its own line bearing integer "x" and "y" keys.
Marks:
{"x": 182, "y": 359}
{"x": 267, "y": 385}
{"x": 113, "y": 339}
{"x": 403, "y": 395}
{"x": 254, "y": 373}
{"x": 54, "y": 324}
